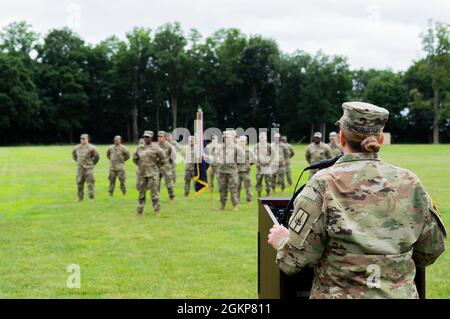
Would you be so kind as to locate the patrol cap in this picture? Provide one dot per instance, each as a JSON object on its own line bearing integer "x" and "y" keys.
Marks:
{"x": 117, "y": 137}
{"x": 284, "y": 138}
{"x": 243, "y": 138}
{"x": 84, "y": 136}
{"x": 363, "y": 118}
{"x": 277, "y": 135}
{"x": 161, "y": 133}
{"x": 318, "y": 134}
{"x": 333, "y": 134}
{"x": 263, "y": 134}
{"x": 148, "y": 134}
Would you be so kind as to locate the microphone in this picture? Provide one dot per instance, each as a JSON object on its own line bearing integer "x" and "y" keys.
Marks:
{"x": 319, "y": 165}
{"x": 324, "y": 164}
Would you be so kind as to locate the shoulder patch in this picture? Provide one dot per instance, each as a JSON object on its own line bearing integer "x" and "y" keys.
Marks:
{"x": 435, "y": 212}
{"x": 309, "y": 193}
{"x": 299, "y": 221}
{"x": 306, "y": 214}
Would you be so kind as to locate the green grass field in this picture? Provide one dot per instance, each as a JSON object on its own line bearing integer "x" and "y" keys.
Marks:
{"x": 192, "y": 251}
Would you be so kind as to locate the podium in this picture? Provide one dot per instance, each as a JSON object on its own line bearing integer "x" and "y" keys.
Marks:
{"x": 272, "y": 282}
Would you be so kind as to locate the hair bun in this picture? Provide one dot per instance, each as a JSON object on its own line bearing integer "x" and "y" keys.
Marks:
{"x": 370, "y": 145}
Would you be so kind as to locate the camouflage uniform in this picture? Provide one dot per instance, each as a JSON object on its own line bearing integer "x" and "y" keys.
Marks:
{"x": 226, "y": 156}
{"x": 263, "y": 167}
{"x": 278, "y": 178}
{"x": 142, "y": 146}
{"x": 335, "y": 149}
{"x": 189, "y": 169}
{"x": 87, "y": 157}
{"x": 166, "y": 171}
{"x": 117, "y": 155}
{"x": 363, "y": 224}
{"x": 288, "y": 163}
{"x": 150, "y": 160}
{"x": 173, "y": 164}
{"x": 244, "y": 174}
{"x": 209, "y": 150}
{"x": 316, "y": 153}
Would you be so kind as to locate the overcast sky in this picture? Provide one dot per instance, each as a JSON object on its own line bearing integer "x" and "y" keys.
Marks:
{"x": 379, "y": 33}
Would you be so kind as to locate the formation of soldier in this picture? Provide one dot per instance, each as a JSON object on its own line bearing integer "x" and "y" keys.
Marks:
{"x": 231, "y": 162}
{"x": 349, "y": 226}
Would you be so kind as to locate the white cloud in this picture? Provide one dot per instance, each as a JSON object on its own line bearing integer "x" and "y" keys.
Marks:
{"x": 370, "y": 33}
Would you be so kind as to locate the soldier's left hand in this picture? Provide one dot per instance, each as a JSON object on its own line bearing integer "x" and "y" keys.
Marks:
{"x": 277, "y": 235}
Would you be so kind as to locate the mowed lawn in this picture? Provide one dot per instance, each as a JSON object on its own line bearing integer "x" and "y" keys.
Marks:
{"x": 192, "y": 251}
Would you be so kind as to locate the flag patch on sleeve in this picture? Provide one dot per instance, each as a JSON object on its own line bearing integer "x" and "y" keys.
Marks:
{"x": 299, "y": 221}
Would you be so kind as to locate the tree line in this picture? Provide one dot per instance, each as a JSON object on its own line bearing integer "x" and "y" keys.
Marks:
{"x": 54, "y": 87}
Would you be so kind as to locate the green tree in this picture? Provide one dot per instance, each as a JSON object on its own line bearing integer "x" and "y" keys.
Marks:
{"x": 387, "y": 89}
{"x": 225, "y": 86}
{"x": 290, "y": 95}
{"x": 328, "y": 85}
{"x": 259, "y": 67}
{"x": 19, "y": 98}
{"x": 18, "y": 39}
{"x": 436, "y": 66}
{"x": 170, "y": 62}
{"x": 63, "y": 81}
{"x": 132, "y": 77}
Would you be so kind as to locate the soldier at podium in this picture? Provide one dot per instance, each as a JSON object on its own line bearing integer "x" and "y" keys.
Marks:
{"x": 363, "y": 224}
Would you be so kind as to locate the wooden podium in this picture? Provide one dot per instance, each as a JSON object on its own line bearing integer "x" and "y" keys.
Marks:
{"x": 272, "y": 282}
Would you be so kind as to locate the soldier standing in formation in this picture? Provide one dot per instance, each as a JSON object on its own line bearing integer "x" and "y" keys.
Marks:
{"x": 316, "y": 152}
{"x": 226, "y": 156}
{"x": 166, "y": 171}
{"x": 244, "y": 168}
{"x": 86, "y": 155}
{"x": 278, "y": 178}
{"x": 177, "y": 148}
{"x": 264, "y": 154}
{"x": 334, "y": 145}
{"x": 150, "y": 160}
{"x": 209, "y": 150}
{"x": 284, "y": 140}
{"x": 189, "y": 168}
{"x": 140, "y": 148}
{"x": 365, "y": 225}
{"x": 117, "y": 154}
